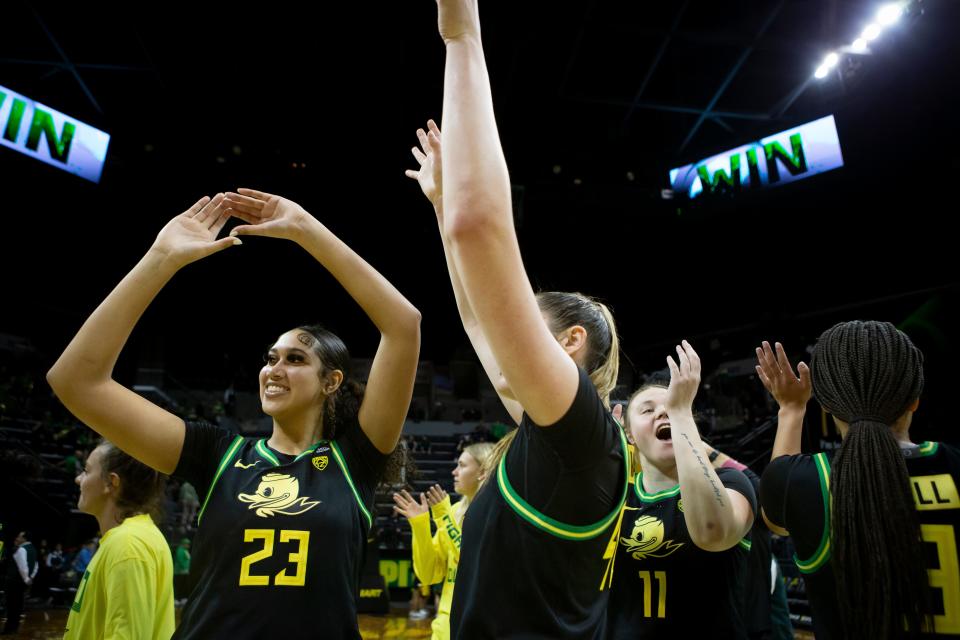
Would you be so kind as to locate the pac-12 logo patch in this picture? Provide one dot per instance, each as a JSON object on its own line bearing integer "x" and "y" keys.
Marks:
{"x": 321, "y": 462}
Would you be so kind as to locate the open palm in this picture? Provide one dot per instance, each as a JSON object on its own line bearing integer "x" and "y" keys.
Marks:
{"x": 265, "y": 214}
{"x": 193, "y": 234}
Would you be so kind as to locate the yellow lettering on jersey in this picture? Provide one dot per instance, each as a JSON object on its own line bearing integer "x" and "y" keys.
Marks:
{"x": 370, "y": 593}
{"x": 932, "y": 493}
{"x": 661, "y": 578}
{"x": 300, "y": 558}
{"x": 251, "y": 535}
{"x": 946, "y": 577}
{"x": 452, "y": 530}
{"x": 82, "y": 591}
{"x": 282, "y": 579}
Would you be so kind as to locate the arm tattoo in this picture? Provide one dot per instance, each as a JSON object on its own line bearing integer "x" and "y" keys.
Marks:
{"x": 706, "y": 470}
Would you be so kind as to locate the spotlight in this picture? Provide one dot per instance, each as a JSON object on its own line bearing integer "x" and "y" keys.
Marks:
{"x": 859, "y": 46}
{"x": 889, "y": 14}
{"x": 871, "y": 32}
{"x": 821, "y": 72}
{"x": 831, "y": 60}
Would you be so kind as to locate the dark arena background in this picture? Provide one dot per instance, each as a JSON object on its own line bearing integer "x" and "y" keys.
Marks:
{"x": 596, "y": 102}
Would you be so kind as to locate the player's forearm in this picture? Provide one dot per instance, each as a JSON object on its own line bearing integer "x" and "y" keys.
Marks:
{"x": 708, "y": 512}
{"x": 789, "y": 431}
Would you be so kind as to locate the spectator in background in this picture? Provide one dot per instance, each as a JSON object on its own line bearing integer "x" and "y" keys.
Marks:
{"x": 83, "y": 557}
{"x": 425, "y": 445}
{"x": 189, "y": 503}
{"x": 74, "y": 462}
{"x": 55, "y": 558}
{"x": 20, "y": 575}
{"x": 181, "y": 570}
{"x": 52, "y": 566}
{"x": 482, "y": 432}
{"x": 41, "y": 583}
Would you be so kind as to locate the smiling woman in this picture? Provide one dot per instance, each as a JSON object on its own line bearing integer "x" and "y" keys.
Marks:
{"x": 268, "y": 516}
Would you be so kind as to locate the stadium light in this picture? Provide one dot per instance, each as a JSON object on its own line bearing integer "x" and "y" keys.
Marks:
{"x": 889, "y": 14}
{"x": 872, "y": 32}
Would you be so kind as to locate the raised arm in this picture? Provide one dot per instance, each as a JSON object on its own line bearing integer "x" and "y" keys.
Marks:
{"x": 82, "y": 377}
{"x": 716, "y": 517}
{"x": 390, "y": 385}
{"x": 478, "y": 225}
{"x": 430, "y": 178}
{"x": 790, "y": 391}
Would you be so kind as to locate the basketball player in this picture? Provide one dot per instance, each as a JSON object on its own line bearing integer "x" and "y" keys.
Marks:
{"x": 685, "y": 537}
{"x": 283, "y": 519}
{"x": 534, "y": 540}
{"x": 875, "y": 527}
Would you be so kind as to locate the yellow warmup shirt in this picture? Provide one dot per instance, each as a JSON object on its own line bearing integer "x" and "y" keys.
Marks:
{"x": 127, "y": 589}
{"x": 435, "y": 559}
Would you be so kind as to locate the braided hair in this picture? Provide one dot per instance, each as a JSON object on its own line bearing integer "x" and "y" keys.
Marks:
{"x": 868, "y": 374}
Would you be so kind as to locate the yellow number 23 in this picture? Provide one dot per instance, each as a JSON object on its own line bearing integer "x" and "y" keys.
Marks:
{"x": 299, "y": 558}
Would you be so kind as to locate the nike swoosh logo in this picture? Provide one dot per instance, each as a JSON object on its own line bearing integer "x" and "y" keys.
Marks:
{"x": 240, "y": 465}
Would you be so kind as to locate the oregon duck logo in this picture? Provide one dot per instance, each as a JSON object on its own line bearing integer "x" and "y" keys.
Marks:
{"x": 321, "y": 462}
{"x": 647, "y": 540}
{"x": 278, "y": 493}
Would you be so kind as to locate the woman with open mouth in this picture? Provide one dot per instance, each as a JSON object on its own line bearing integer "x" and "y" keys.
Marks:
{"x": 684, "y": 538}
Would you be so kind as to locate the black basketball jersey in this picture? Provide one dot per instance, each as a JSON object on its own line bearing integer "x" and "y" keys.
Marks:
{"x": 666, "y": 586}
{"x": 532, "y": 561}
{"x": 796, "y": 495}
{"x": 757, "y": 612}
{"x": 280, "y": 538}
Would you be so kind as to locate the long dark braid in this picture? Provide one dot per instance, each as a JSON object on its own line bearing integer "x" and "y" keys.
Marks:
{"x": 867, "y": 374}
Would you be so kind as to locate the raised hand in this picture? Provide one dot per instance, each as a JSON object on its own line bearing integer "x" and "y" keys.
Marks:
{"x": 266, "y": 214}
{"x": 405, "y": 505}
{"x": 193, "y": 234}
{"x": 436, "y": 495}
{"x": 776, "y": 374}
{"x": 684, "y": 378}
{"x": 430, "y": 174}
